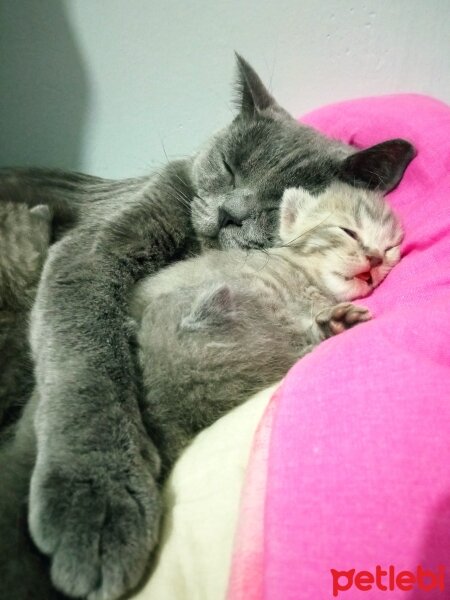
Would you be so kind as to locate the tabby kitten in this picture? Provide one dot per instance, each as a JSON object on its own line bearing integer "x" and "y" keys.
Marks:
{"x": 219, "y": 327}
{"x": 24, "y": 240}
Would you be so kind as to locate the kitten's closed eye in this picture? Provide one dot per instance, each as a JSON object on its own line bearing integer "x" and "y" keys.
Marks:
{"x": 393, "y": 252}
{"x": 350, "y": 233}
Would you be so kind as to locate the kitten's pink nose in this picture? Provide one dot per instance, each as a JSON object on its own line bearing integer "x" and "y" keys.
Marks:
{"x": 374, "y": 260}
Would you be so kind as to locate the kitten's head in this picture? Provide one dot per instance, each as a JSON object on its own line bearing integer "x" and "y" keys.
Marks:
{"x": 24, "y": 241}
{"x": 240, "y": 175}
{"x": 349, "y": 237}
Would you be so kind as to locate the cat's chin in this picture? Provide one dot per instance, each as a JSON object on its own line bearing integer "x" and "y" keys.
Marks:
{"x": 228, "y": 238}
{"x": 231, "y": 237}
{"x": 241, "y": 237}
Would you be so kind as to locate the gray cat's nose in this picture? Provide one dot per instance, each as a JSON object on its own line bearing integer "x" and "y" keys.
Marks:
{"x": 225, "y": 218}
{"x": 374, "y": 260}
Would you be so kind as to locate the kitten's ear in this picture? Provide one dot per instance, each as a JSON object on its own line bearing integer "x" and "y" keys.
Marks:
{"x": 379, "y": 167}
{"x": 252, "y": 95}
{"x": 214, "y": 308}
{"x": 41, "y": 212}
{"x": 294, "y": 200}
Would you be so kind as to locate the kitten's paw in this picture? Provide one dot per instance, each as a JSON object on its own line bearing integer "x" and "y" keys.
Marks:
{"x": 99, "y": 528}
{"x": 338, "y": 318}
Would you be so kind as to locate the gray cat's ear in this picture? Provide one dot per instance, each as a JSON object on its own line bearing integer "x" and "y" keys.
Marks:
{"x": 252, "y": 95}
{"x": 214, "y": 308}
{"x": 42, "y": 212}
{"x": 379, "y": 167}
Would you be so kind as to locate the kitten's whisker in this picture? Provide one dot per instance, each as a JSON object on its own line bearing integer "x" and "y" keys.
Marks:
{"x": 247, "y": 254}
{"x": 268, "y": 257}
{"x": 310, "y": 230}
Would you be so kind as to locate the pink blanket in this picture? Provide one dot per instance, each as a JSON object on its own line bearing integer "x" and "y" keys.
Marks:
{"x": 357, "y": 441}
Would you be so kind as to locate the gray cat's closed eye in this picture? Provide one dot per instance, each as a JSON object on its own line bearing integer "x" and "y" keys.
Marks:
{"x": 229, "y": 169}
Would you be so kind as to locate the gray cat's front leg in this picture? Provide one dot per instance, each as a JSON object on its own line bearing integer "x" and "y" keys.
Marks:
{"x": 94, "y": 502}
{"x": 340, "y": 317}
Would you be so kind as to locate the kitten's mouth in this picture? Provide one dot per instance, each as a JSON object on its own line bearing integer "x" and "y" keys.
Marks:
{"x": 366, "y": 276}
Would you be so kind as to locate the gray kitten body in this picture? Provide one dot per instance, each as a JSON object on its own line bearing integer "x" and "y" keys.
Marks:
{"x": 93, "y": 503}
{"x": 219, "y": 327}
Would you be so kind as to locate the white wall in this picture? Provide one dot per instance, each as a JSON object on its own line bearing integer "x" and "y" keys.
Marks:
{"x": 109, "y": 86}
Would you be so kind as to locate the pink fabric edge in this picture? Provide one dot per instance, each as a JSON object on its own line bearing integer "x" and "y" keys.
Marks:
{"x": 246, "y": 576}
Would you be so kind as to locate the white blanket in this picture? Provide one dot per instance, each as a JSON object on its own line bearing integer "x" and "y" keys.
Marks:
{"x": 202, "y": 505}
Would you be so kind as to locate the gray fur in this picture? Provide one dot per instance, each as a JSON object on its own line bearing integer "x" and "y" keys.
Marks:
{"x": 94, "y": 505}
{"x": 23, "y": 570}
{"x": 24, "y": 241}
{"x": 219, "y": 327}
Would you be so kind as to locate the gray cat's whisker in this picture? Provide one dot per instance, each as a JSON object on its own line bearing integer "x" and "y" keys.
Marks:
{"x": 307, "y": 231}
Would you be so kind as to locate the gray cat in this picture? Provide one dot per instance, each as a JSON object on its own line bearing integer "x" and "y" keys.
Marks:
{"x": 219, "y": 327}
{"x": 24, "y": 241}
{"x": 94, "y": 503}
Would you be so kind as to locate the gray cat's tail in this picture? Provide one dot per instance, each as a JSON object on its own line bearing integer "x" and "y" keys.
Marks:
{"x": 66, "y": 193}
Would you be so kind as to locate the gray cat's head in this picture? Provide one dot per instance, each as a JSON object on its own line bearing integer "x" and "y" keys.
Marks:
{"x": 349, "y": 237}
{"x": 240, "y": 175}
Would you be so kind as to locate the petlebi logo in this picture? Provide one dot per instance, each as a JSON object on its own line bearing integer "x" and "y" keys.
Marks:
{"x": 389, "y": 579}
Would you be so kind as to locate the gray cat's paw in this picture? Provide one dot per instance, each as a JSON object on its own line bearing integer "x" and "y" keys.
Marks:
{"x": 338, "y": 318}
{"x": 98, "y": 528}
